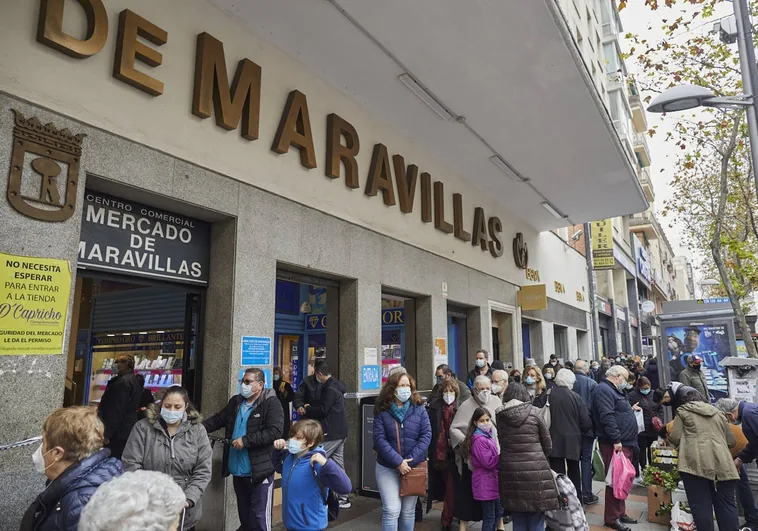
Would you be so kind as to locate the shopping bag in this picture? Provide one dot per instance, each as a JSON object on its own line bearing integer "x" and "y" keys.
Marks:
{"x": 640, "y": 421}
{"x": 609, "y": 474}
{"x": 598, "y": 467}
{"x": 681, "y": 520}
{"x": 544, "y": 413}
{"x": 623, "y": 475}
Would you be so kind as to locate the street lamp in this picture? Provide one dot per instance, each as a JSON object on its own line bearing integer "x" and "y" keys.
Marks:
{"x": 707, "y": 282}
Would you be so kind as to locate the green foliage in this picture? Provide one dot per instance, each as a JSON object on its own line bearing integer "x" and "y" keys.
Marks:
{"x": 654, "y": 476}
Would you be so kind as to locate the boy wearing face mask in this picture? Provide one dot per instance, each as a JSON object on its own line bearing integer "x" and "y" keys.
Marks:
{"x": 441, "y": 458}
{"x": 481, "y": 368}
{"x": 300, "y": 460}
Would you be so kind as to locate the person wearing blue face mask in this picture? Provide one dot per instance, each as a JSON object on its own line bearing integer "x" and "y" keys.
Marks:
{"x": 172, "y": 440}
{"x": 642, "y": 395}
{"x": 481, "y": 368}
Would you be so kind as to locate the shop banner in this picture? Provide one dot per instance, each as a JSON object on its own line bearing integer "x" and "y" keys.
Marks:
{"x": 602, "y": 244}
{"x": 122, "y": 236}
{"x": 33, "y": 304}
{"x": 533, "y": 297}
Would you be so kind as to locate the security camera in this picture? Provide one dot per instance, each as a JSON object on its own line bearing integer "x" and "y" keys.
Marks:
{"x": 577, "y": 235}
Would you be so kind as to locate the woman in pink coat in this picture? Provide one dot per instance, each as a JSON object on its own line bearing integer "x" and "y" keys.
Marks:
{"x": 481, "y": 446}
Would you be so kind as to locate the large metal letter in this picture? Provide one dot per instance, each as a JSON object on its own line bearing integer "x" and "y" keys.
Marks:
{"x": 50, "y": 28}
{"x": 129, "y": 49}
{"x": 295, "y": 130}
{"x": 336, "y": 128}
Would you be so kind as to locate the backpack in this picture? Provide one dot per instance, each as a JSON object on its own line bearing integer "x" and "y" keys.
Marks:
{"x": 570, "y": 516}
{"x": 331, "y": 500}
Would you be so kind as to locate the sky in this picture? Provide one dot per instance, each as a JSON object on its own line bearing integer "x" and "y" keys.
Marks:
{"x": 639, "y": 19}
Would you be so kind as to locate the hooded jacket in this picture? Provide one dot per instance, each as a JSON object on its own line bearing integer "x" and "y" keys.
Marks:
{"x": 186, "y": 456}
{"x": 329, "y": 410}
{"x": 264, "y": 426}
{"x": 702, "y": 435}
{"x": 613, "y": 416}
{"x": 484, "y": 458}
{"x": 59, "y": 506}
{"x": 303, "y": 506}
{"x": 526, "y": 481}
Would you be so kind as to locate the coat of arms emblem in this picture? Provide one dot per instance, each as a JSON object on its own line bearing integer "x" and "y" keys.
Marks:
{"x": 51, "y": 151}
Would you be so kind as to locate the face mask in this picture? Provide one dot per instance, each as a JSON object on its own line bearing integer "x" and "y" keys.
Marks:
{"x": 480, "y": 363}
{"x": 246, "y": 391}
{"x": 39, "y": 461}
{"x": 529, "y": 380}
{"x": 624, "y": 385}
{"x": 449, "y": 398}
{"x": 553, "y": 363}
{"x": 440, "y": 379}
{"x": 696, "y": 366}
{"x": 170, "y": 416}
{"x": 548, "y": 376}
{"x": 483, "y": 396}
{"x": 403, "y": 393}
{"x": 594, "y": 367}
{"x": 277, "y": 377}
{"x": 294, "y": 446}
{"x": 645, "y": 391}
{"x": 497, "y": 388}
{"x": 486, "y": 427}
{"x": 517, "y": 378}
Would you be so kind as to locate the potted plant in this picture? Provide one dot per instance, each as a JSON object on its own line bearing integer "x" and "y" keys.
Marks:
{"x": 660, "y": 484}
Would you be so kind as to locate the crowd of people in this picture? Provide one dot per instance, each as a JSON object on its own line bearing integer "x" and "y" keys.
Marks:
{"x": 492, "y": 447}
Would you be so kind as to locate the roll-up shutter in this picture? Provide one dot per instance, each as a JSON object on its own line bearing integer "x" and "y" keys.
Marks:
{"x": 147, "y": 309}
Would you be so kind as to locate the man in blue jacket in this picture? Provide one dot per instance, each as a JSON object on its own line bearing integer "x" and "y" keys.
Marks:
{"x": 585, "y": 387}
{"x": 616, "y": 430}
{"x": 746, "y": 414}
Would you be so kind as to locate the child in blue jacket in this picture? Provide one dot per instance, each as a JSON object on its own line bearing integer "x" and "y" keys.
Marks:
{"x": 303, "y": 507}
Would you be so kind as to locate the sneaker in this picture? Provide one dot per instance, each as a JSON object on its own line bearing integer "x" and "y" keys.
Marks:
{"x": 590, "y": 500}
{"x": 345, "y": 502}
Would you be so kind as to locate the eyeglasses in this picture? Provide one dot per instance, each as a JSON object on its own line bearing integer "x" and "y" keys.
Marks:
{"x": 248, "y": 382}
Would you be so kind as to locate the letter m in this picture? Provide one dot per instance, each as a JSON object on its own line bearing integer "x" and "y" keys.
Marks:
{"x": 212, "y": 91}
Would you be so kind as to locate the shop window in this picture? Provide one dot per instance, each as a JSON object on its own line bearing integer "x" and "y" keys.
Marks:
{"x": 398, "y": 333}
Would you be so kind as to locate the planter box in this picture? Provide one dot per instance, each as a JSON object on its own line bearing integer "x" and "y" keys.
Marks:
{"x": 655, "y": 497}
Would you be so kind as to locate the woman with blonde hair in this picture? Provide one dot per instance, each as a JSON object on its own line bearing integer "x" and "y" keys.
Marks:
{"x": 533, "y": 381}
{"x": 73, "y": 460}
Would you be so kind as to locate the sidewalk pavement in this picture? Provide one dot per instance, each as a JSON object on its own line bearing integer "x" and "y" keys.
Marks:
{"x": 366, "y": 515}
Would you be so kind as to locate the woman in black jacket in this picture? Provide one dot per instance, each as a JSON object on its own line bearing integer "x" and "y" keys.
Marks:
{"x": 642, "y": 395}
{"x": 569, "y": 421}
{"x": 441, "y": 457}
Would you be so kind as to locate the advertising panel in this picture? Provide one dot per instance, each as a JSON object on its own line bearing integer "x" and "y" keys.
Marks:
{"x": 602, "y": 244}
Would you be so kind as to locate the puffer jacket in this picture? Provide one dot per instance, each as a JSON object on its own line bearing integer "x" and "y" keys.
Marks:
{"x": 60, "y": 505}
{"x": 613, "y": 416}
{"x": 484, "y": 458}
{"x": 526, "y": 481}
{"x": 186, "y": 457}
{"x": 264, "y": 426}
{"x": 415, "y": 435}
{"x": 702, "y": 435}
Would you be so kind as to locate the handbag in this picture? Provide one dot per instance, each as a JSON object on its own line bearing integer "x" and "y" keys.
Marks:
{"x": 544, "y": 413}
{"x": 414, "y": 482}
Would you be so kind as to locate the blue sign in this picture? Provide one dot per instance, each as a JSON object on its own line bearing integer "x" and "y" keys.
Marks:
{"x": 316, "y": 321}
{"x": 717, "y": 300}
{"x": 267, "y": 374}
{"x": 256, "y": 350}
{"x": 370, "y": 377}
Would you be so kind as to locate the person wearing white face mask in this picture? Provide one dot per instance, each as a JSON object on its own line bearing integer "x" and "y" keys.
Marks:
{"x": 73, "y": 460}
{"x": 499, "y": 383}
{"x": 441, "y": 457}
{"x": 171, "y": 439}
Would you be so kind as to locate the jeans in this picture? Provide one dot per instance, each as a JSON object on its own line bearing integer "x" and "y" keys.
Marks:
{"x": 706, "y": 497}
{"x": 560, "y": 465}
{"x": 746, "y": 499}
{"x": 398, "y": 514}
{"x": 492, "y": 511}
{"x": 587, "y": 445}
{"x": 528, "y": 521}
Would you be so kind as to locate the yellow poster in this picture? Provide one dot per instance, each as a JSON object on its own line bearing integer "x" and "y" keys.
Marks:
{"x": 440, "y": 351}
{"x": 33, "y": 304}
{"x": 602, "y": 244}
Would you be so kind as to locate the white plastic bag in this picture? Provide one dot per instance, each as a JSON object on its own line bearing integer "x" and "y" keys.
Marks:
{"x": 681, "y": 520}
{"x": 640, "y": 421}
{"x": 609, "y": 475}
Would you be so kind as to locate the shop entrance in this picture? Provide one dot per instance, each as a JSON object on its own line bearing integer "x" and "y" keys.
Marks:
{"x": 457, "y": 339}
{"x": 502, "y": 337}
{"x": 157, "y": 323}
{"x": 398, "y": 333}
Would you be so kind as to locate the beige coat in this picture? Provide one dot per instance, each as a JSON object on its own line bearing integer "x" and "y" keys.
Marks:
{"x": 459, "y": 426}
{"x": 702, "y": 435}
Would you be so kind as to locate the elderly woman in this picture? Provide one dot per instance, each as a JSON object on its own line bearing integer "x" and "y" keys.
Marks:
{"x": 441, "y": 457}
{"x": 702, "y": 435}
{"x": 570, "y": 420}
{"x": 74, "y": 461}
{"x": 136, "y": 501}
{"x": 467, "y": 509}
{"x": 527, "y": 487}
{"x": 533, "y": 381}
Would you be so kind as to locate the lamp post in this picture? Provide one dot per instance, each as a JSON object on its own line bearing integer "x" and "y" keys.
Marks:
{"x": 708, "y": 282}
{"x": 685, "y": 97}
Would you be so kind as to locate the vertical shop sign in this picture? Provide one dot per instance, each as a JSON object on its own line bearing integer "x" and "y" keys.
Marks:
{"x": 602, "y": 244}
{"x": 33, "y": 304}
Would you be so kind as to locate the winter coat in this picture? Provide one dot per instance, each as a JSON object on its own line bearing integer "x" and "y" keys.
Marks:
{"x": 308, "y": 392}
{"x": 59, "y": 506}
{"x": 484, "y": 459}
{"x": 526, "y": 481}
{"x": 119, "y": 405}
{"x": 613, "y": 416}
{"x": 303, "y": 506}
{"x": 186, "y": 456}
{"x": 651, "y": 373}
{"x": 569, "y": 421}
{"x": 696, "y": 379}
{"x": 436, "y": 484}
{"x": 749, "y": 419}
{"x": 329, "y": 409}
{"x": 473, "y": 373}
{"x": 264, "y": 426}
{"x": 415, "y": 435}
{"x": 584, "y": 387}
{"x": 649, "y": 408}
{"x": 459, "y": 428}
{"x": 702, "y": 435}
{"x": 285, "y": 394}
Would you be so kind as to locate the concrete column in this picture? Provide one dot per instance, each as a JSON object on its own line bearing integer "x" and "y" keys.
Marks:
{"x": 544, "y": 331}
{"x": 479, "y": 335}
{"x": 573, "y": 347}
{"x": 431, "y": 322}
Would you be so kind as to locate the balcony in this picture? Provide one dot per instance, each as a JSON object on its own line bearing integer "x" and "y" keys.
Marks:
{"x": 614, "y": 80}
{"x": 611, "y": 27}
{"x": 646, "y": 182}
{"x": 639, "y": 118}
{"x": 646, "y": 224}
{"x": 641, "y": 149}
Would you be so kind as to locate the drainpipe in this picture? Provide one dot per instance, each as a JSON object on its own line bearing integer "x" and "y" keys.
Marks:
{"x": 593, "y": 291}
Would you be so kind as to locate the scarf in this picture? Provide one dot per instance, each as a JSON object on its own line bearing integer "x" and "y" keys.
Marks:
{"x": 441, "y": 449}
{"x": 400, "y": 411}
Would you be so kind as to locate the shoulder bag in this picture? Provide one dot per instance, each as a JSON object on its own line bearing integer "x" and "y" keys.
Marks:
{"x": 544, "y": 413}
{"x": 414, "y": 482}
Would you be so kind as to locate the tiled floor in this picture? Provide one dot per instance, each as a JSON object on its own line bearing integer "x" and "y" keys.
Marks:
{"x": 366, "y": 515}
